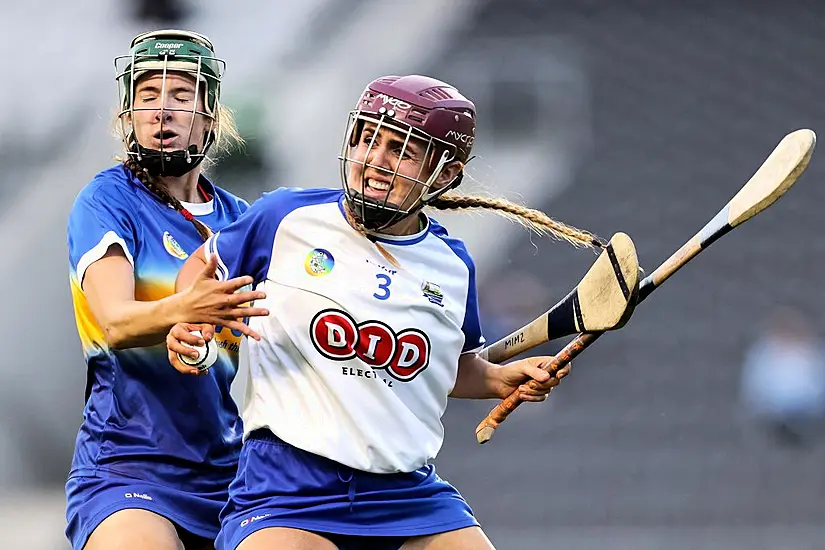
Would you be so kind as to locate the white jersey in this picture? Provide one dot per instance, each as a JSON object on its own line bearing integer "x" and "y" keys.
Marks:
{"x": 357, "y": 356}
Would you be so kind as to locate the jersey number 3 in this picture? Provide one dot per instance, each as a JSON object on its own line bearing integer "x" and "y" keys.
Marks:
{"x": 383, "y": 287}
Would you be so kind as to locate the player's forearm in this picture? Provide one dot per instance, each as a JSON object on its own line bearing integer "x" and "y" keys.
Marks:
{"x": 476, "y": 379}
{"x": 133, "y": 324}
{"x": 109, "y": 287}
{"x": 138, "y": 324}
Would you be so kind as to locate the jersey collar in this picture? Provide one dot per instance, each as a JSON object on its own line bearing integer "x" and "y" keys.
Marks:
{"x": 401, "y": 240}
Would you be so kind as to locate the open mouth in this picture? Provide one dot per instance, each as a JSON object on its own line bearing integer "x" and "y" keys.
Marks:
{"x": 373, "y": 197}
{"x": 376, "y": 189}
{"x": 166, "y": 137}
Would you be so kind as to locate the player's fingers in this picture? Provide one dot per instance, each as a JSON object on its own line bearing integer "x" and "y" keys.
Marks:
{"x": 242, "y": 327}
{"x": 237, "y": 283}
{"x": 241, "y": 312}
{"x": 238, "y": 298}
{"x": 531, "y": 395}
{"x": 182, "y": 332}
{"x": 207, "y": 331}
{"x": 174, "y": 345}
{"x": 534, "y": 387}
{"x": 179, "y": 366}
{"x": 564, "y": 371}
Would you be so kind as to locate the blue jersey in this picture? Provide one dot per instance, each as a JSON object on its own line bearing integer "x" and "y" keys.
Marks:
{"x": 142, "y": 418}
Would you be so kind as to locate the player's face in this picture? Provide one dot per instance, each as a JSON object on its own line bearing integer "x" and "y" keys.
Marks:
{"x": 384, "y": 153}
{"x": 163, "y": 114}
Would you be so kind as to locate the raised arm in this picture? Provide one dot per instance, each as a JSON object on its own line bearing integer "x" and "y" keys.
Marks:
{"x": 109, "y": 286}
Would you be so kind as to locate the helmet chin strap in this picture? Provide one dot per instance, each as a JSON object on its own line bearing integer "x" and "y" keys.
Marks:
{"x": 371, "y": 214}
{"x": 168, "y": 163}
{"x": 174, "y": 163}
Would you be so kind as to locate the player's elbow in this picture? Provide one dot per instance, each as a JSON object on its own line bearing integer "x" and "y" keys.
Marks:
{"x": 116, "y": 337}
{"x": 119, "y": 333}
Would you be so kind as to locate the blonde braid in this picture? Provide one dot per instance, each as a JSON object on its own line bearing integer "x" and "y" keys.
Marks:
{"x": 353, "y": 222}
{"x": 363, "y": 231}
{"x": 534, "y": 220}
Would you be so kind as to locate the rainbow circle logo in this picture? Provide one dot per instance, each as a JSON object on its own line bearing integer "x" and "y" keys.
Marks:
{"x": 319, "y": 262}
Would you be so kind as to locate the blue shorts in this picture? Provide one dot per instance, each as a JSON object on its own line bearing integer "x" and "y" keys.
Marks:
{"x": 91, "y": 499}
{"x": 279, "y": 485}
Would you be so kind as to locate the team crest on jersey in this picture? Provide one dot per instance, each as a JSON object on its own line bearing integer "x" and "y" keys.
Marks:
{"x": 433, "y": 293}
{"x": 337, "y": 336}
{"x": 172, "y": 246}
{"x": 319, "y": 262}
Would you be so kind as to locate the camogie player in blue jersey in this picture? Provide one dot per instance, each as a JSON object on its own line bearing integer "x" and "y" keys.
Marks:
{"x": 156, "y": 450}
{"x": 373, "y": 325}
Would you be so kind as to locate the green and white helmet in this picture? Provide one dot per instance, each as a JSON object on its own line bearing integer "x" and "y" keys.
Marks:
{"x": 167, "y": 51}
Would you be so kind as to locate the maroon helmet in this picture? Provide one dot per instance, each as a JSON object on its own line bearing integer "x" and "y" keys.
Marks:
{"x": 414, "y": 108}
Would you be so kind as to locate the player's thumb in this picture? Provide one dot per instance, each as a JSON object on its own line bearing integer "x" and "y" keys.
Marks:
{"x": 537, "y": 374}
{"x": 534, "y": 370}
{"x": 210, "y": 268}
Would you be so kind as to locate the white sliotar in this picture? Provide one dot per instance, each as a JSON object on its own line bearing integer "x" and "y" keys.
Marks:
{"x": 207, "y": 355}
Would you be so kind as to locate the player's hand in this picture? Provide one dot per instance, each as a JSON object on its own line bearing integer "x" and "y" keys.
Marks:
{"x": 182, "y": 332}
{"x": 526, "y": 375}
{"x": 208, "y": 300}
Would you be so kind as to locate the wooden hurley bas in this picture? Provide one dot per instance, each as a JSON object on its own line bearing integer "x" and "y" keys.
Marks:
{"x": 776, "y": 175}
{"x": 603, "y": 300}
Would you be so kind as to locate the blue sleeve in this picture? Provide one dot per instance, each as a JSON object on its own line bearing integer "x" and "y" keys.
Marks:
{"x": 473, "y": 339}
{"x": 244, "y": 247}
{"x": 100, "y": 218}
{"x": 471, "y": 327}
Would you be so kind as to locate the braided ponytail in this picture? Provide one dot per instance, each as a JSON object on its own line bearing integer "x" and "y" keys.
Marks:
{"x": 163, "y": 194}
{"x": 534, "y": 220}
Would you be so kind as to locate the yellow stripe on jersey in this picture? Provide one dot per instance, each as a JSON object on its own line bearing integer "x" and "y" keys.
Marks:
{"x": 147, "y": 290}
{"x": 91, "y": 335}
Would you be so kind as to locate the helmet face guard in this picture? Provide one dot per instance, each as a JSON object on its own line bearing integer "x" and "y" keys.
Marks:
{"x": 165, "y": 52}
{"x": 405, "y": 110}
{"x": 377, "y": 214}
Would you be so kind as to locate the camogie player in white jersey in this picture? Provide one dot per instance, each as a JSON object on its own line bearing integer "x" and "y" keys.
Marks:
{"x": 373, "y": 324}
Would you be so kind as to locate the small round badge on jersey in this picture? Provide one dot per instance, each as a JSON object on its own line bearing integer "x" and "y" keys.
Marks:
{"x": 319, "y": 262}
{"x": 172, "y": 246}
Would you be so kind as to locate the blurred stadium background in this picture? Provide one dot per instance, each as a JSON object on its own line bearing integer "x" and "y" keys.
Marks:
{"x": 612, "y": 115}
